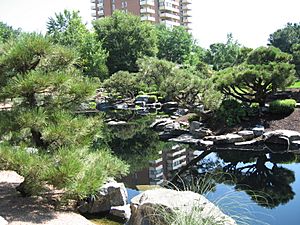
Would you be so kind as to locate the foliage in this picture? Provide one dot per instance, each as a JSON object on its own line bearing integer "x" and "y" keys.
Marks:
{"x": 182, "y": 86}
{"x": 7, "y": 32}
{"x": 287, "y": 40}
{"x": 153, "y": 71}
{"x": 123, "y": 83}
{"x": 221, "y": 55}
{"x": 230, "y": 112}
{"x": 46, "y": 89}
{"x": 295, "y": 85}
{"x": 286, "y": 37}
{"x": 283, "y": 107}
{"x": 265, "y": 71}
{"x": 126, "y": 38}
{"x": 174, "y": 44}
{"x": 68, "y": 29}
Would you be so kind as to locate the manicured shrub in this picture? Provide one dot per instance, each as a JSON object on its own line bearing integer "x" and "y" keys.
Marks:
{"x": 152, "y": 99}
{"x": 283, "y": 107}
{"x": 253, "y": 110}
{"x": 231, "y": 112}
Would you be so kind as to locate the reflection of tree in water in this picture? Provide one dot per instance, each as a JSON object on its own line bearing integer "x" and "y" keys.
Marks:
{"x": 268, "y": 186}
{"x": 135, "y": 143}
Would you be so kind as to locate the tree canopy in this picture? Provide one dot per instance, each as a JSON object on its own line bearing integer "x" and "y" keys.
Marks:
{"x": 7, "y": 32}
{"x": 174, "y": 44}
{"x": 45, "y": 141}
{"x": 68, "y": 29}
{"x": 126, "y": 38}
{"x": 265, "y": 71}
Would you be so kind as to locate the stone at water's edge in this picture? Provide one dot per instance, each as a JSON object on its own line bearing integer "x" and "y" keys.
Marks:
{"x": 111, "y": 194}
{"x": 122, "y": 212}
{"x": 3, "y": 221}
{"x": 146, "y": 208}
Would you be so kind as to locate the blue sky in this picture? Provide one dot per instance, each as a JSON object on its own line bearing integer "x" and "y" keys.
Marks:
{"x": 250, "y": 21}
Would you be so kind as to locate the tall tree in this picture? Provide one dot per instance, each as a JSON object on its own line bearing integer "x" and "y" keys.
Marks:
{"x": 174, "y": 44}
{"x": 286, "y": 37}
{"x": 265, "y": 71}
{"x": 7, "y": 32}
{"x": 68, "y": 29}
{"x": 221, "y": 55}
{"x": 126, "y": 38}
{"x": 44, "y": 140}
{"x": 287, "y": 40}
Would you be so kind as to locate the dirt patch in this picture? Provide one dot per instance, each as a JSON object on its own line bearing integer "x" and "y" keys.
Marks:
{"x": 18, "y": 210}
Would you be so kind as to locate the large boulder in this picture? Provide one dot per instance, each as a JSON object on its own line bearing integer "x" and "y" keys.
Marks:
{"x": 3, "y": 221}
{"x": 121, "y": 212}
{"x": 281, "y": 140}
{"x": 225, "y": 139}
{"x": 111, "y": 194}
{"x": 246, "y": 134}
{"x": 153, "y": 206}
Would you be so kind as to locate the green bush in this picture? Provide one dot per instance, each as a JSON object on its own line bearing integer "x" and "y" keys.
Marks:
{"x": 193, "y": 117}
{"x": 152, "y": 99}
{"x": 283, "y": 107}
{"x": 253, "y": 110}
{"x": 231, "y": 112}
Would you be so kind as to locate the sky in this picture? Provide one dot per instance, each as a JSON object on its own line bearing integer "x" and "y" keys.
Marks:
{"x": 250, "y": 21}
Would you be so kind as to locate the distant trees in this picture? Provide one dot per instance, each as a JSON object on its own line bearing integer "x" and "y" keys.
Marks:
{"x": 7, "y": 32}
{"x": 126, "y": 38}
{"x": 287, "y": 40}
{"x": 68, "y": 29}
{"x": 43, "y": 139}
{"x": 264, "y": 71}
{"x": 174, "y": 44}
{"x": 221, "y": 55}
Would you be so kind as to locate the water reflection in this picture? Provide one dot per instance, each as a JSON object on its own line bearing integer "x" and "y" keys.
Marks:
{"x": 262, "y": 175}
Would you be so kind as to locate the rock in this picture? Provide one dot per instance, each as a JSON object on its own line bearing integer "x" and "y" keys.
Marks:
{"x": 3, "y": 221}
{"x": 225, "y": 139}
{"x": 172, "y": 126}
{"x": 195, "y": 125}
{"x": 185, "y": 139}
{"x": 246, "y": 134}
{"x": 258, "y": 131}
{"x": 122, "y": 212}
{"x": 148, "y": 207}
{"x": 181, "y": 112}
{"x": 202, "y": 132}
{"x": 170, "y": 107}
{"x": 281, "y": 140}
{"x": 116, "y": 123}
{"x": 159, "y": 124}
{"x": 111, "y": 194}
{"x": 247, "y": 143}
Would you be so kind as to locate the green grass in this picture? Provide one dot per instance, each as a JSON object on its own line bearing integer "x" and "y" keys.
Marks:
{"x": 295, "y": 85}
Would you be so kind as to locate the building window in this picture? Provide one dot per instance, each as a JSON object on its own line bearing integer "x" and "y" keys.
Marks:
{"x": 113, "y": 7}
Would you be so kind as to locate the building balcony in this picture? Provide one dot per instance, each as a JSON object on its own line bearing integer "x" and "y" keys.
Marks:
{"x": 148, "y": 18}
{"x": 94, "y": 14}
{"x": 147, "y": 11}
{"x": 169, "y": 16}
{"x": 168, "y": 8}
{"x": 184, "y": 2}
{"x": 186, "y": 14}
{"x": 186, "y": 7}
{"x": 173, "y": 2}
{"x": 147, "y": 3}
{"x": 181, "y": 158}
{"x": 173, "y": 167}
{"x": 170, "y": 23}
{"x": 93, "y": 1}
{"x": 93, "y": 7}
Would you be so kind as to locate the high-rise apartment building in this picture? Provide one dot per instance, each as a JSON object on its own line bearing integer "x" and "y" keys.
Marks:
{"x": 168, "y": 12}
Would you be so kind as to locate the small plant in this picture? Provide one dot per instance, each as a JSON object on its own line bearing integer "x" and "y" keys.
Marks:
{"x": 193, "y": 117}
{"x": 231, "y": 112}
{"x": 282, "y": 107}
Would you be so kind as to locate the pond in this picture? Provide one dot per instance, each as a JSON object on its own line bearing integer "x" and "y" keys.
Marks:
{"x": 252, "y": 187}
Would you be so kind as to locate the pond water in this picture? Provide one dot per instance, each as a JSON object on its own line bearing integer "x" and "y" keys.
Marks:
{"x": 254, "y": 188}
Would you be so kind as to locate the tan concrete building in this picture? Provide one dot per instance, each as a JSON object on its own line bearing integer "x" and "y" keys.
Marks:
{"x": 168, "y": 12}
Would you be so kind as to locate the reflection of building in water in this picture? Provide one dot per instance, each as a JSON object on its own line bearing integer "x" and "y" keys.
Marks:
{"x": 163, "y": 168}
